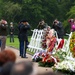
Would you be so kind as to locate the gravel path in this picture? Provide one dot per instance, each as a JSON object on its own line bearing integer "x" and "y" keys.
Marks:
{"x": 38, "y": 69}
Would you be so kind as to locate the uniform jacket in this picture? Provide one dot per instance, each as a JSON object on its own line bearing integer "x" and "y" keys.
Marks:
{"x": 11, "y": 30}
{"x": 23, "y": 31}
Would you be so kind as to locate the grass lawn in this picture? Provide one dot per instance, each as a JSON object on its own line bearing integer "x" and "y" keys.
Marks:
{"x": 16, "y": 41}
{"x": 16, "y": 44}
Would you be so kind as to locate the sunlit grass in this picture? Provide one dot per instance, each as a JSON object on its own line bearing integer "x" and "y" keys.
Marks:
{"x": 15, "y": 44}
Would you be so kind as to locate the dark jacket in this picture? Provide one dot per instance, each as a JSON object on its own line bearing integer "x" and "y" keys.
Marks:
{"x": 23, "y": 32}
{"x": 11, "y": 30}
{"x": 3, "y": 30}
{"x": 60, "y": 30}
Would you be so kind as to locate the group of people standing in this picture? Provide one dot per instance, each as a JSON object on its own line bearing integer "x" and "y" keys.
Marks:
{"x": 57, "y": 25}
{"x": 22, "y": 36}
{"x": 23, "y": 27}
{"x": 3, "y": 33}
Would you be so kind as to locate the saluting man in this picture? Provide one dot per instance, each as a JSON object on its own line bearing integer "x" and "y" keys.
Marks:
{"x": 23, "y": 37}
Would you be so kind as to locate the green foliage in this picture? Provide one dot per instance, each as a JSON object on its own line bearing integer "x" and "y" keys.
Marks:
{"x": 67, "y": 26}
{"x": 60, "y": 55}
{"x": 71, "y": 13}
{"x": 34, "y": 10}
{"x": 11, "y": 10}
{"x": 46, "y": 64}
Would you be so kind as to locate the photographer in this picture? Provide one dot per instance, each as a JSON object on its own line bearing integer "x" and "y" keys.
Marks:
{"x": 42, "y": 25}
{"x": 23, "y": 37}
{"x": 11, "y": 30}
{"x": 72, "y": 23}
{"x": 3, "y": 33}
{"x": 57, "y": 25}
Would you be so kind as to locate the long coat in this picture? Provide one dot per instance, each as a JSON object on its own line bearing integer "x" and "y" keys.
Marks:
{"x": 3, "y": 30}
{"x": 60, "y": 30}
{"x": 11, "y": 30}
{"x": 23, "y": 32}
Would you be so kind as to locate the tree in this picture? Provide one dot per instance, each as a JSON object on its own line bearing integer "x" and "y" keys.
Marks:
{"x": 71, "y": 13}
{"x": 1, "y": 8}
{"x": 34, "y": 10}
{"x": 11, "y": 11}
{"x": 39, "y": 9}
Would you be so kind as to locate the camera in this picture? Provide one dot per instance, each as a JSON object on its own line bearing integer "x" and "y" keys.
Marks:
{"x": 55, "y": 22}
{"x": 40, "y": 23}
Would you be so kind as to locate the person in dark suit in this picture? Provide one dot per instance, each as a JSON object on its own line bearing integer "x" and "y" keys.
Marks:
{"x": 57, "y": 25}
{"x": 11, "y": 32}
{"x": 23, "y": 37}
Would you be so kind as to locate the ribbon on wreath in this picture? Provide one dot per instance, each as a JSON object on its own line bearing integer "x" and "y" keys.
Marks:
{"x": 60, "y": 44}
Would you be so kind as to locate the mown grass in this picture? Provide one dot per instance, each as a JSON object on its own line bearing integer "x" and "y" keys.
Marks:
{"x": 15, "y": 44}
